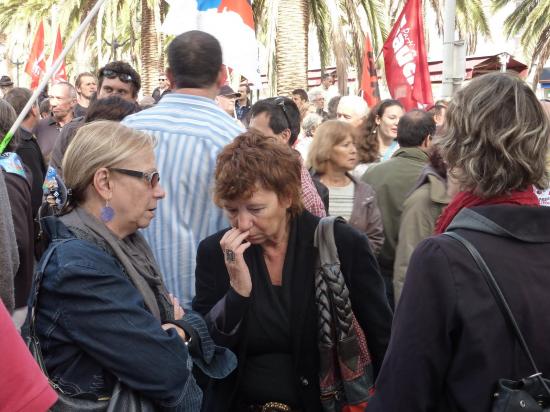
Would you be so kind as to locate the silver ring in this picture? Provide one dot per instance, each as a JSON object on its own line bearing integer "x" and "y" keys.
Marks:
{"x": 229, "y": 255}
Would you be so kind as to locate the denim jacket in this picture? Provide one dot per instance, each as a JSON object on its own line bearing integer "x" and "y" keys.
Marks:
{"x": 94, "y": 328}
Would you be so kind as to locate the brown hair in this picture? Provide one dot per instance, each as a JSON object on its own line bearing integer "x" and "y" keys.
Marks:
{"x": 496, "y": 137}
{"x": 327, "y": 135}
{"x": 253, "y": 160}
{"x": 368, "y": 146}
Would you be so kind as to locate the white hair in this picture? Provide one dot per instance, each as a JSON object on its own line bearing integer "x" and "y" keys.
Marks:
{"x": 314, "y": 94}
{"x": 359, "y": 105}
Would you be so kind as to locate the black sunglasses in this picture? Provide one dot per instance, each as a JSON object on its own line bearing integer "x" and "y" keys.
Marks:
{"x": 111, "y": 74}
{"x": 150, "y": 177}
{"x": 279, "y": 101}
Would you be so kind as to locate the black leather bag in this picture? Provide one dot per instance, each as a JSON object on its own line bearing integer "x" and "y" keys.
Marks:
{"x": 531, "y": 394}
{"x": 122, "y": 398}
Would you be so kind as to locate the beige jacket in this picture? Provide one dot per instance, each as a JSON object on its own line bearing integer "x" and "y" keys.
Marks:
{"x": 420, "y": 212}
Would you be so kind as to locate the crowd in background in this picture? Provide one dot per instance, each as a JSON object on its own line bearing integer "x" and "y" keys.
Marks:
{"x": 168, "y": 247}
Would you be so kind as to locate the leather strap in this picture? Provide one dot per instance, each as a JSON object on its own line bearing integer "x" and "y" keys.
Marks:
{"x": 499, "y": 298}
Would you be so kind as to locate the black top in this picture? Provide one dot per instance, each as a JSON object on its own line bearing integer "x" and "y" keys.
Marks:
{"x": 30, "y": 154}
{"x": 79, "y": 110}
{"x": 268, "y": 374}
{"x": 227, "y": 312}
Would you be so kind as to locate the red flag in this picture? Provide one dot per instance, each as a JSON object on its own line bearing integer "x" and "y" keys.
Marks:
{"x": 406, "y": 61}
{"x": 36, "y": 65}
{"x": 61, "y": 74}
{"x": 369, "y": 78}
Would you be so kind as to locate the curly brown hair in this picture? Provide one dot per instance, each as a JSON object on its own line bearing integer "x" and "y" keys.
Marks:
{"x": 368, "y": 146}
{"x": 253, "y": 160}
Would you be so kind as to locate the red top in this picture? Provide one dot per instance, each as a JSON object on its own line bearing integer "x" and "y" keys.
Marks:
{"x": 23, "y": 386}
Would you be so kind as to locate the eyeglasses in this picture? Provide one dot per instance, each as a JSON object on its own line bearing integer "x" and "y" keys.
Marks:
{"x": 111, "y": 74}
{"x": 279, "y": 101}
{"x": 150, "y": 177}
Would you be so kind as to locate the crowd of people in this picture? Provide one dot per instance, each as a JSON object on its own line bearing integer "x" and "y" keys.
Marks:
{"x": 168, "y": 247}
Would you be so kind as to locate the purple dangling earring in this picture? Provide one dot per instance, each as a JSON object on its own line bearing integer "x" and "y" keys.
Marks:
{"x": 107, "y": 213}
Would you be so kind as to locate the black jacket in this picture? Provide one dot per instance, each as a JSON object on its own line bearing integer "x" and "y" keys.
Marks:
{"x": 217, "y": 301}
{"x": 30, "y": 153}
{"x": 450, "y": 343}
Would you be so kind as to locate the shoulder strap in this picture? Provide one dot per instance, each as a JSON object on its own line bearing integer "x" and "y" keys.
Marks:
{"x": 497, "y": 293}
{"x": 324, "y": 240}
{"x": 37, "y": 281}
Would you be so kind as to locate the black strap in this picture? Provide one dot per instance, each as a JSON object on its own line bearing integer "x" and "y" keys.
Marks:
{"x": 499, "y": 297}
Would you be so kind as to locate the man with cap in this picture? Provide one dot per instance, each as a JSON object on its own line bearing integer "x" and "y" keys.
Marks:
{"x": 226, "y": 100}
{"x": 5, "y": 85}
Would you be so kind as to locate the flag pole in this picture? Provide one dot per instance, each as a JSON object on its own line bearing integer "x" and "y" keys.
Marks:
{"x": 48, "y": 75}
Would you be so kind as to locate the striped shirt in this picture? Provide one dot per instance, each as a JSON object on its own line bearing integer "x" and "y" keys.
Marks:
{"x": 190, "y": 132}
{"x": 340, "y": 200}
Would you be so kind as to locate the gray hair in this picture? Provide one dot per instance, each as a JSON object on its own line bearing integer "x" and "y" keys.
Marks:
{"x": 496, "y": 137}
{"x": 314, "y": 94}
{"x": 310, "y": 122}
{"x": 70, "y": 88}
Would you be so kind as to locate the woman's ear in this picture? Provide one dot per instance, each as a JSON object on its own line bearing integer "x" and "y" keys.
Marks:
{"x": 102, "y": 183}
{"x": 377, "y": 120}
{"x": 285, "y": 202}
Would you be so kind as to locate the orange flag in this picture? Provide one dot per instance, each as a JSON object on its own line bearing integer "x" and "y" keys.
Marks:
{"x": 61, "y": 74}
{"x": 36, "y": 65}
{"x": 369, "y": 78}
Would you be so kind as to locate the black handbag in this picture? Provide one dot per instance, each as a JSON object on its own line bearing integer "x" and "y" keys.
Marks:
{"x": 122, "y": 398}
{"x": 531, "y": 394}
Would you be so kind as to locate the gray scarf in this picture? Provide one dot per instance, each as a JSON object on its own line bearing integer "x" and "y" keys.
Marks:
{"x": 132, "y": 252}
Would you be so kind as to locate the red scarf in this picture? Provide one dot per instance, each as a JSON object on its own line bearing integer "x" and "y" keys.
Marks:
{"x": 468, "y": 199}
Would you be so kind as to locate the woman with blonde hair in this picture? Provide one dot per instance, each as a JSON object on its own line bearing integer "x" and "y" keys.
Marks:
{"x": 451, "y": 342}
{"x": 332, "y": 156}
{"x": 102, "y": 312}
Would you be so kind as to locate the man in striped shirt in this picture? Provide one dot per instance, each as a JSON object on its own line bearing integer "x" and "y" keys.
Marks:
{"x": 191, "y": 130}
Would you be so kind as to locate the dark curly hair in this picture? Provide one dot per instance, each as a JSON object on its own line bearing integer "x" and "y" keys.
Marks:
{"x": 253, "y": 160}
{"x": 368, "y": 146}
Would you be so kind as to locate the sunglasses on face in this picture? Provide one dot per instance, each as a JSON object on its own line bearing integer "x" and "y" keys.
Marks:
{"x": 111, "y": 74}
{"x": 152, "y": 178}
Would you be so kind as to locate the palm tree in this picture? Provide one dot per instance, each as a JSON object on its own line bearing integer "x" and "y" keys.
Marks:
{"x": 340, "y": 25}
{"x": 471, "y": 18}
{"x": 530, "y": 21}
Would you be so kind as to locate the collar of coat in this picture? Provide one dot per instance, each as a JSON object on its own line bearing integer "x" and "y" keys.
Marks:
{"x": 414, "y": 153}
{"x": 526, "y": 223}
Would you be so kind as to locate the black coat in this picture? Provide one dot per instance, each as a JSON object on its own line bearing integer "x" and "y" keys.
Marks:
{"x": 450, "y": 343}
{"x": 218, "y": 302}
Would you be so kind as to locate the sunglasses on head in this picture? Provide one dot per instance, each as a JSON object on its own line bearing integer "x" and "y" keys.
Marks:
{"x": 150, "y": 177}
{"x": 111, "y": 74}
{"x": 279, "y": 101}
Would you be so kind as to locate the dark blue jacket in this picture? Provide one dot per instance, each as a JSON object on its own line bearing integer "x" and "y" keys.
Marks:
{"x": 93, "y": 328}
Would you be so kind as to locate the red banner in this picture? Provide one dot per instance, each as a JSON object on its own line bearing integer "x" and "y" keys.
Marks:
{"x": 406, "y": 60}
{"x": 36, "y": 65}
{"x": 61, "y": 74}
{"x": 369, "y": 78}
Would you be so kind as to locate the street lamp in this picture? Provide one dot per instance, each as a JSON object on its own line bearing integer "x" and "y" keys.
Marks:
{"x": 17, "y": 59}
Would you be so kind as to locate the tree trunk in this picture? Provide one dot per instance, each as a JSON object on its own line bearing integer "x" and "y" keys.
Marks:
{"x": 149, "y": 49}
{"x": 291, "y": 46}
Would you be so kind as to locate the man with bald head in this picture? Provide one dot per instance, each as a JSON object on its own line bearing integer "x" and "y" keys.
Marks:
{"x": 352, "y": 109}
{"x": 63, "y": 99}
